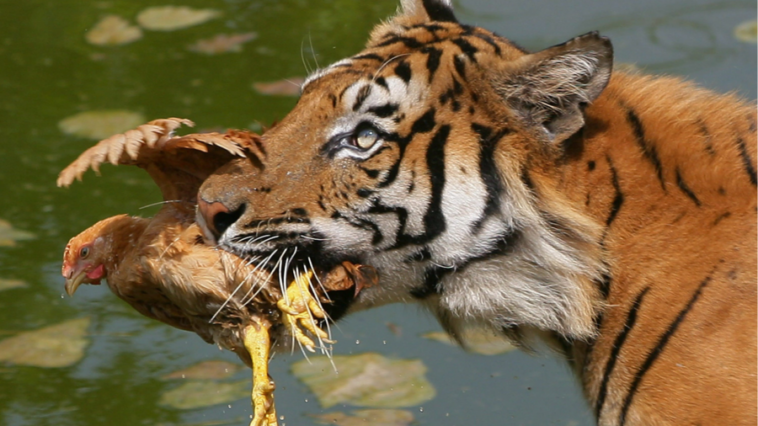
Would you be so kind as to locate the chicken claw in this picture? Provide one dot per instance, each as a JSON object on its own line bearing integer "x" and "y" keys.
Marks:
{"x": 300, "y": 309}
{"x": 258, "y": 343}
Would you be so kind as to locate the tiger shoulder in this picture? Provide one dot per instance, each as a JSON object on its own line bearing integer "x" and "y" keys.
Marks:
{"x": 539, "y": 195}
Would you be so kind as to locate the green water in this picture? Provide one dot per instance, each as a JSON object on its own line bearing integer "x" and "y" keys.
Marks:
{"x": 48, "y": 72}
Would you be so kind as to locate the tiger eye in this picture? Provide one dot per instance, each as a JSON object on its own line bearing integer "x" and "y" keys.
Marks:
{"x": 366, "y": 138}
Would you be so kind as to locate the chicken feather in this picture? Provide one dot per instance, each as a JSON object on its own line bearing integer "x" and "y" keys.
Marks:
{"x": 162, "y": 267}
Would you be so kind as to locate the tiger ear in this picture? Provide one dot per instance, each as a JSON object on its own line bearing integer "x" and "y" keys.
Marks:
{"x": 428, "y": 10}
{"x": 549, "y": 89}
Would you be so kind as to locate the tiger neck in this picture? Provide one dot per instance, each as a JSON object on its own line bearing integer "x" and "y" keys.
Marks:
{"x": 647, "y": 170}
{"x": 643, "y": 162}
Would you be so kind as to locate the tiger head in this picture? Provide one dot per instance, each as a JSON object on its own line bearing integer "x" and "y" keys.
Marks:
{"x": 410, "y": 156}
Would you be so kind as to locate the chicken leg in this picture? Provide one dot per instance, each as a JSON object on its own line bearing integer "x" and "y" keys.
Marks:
{"x": 300, "y": 309}
{"x": 258, "y": 343}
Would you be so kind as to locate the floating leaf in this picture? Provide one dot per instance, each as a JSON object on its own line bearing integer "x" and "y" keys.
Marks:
{"x": 100, "y": 124}
{"x": 7, "y": 284}
{"x": 286, "y": 87}
{"x": 367, "y": 380}
{"x": 204, "y": 393}
{"x": 222, "y": 43}
{"x": 480, "y": 341}
{"x": 59, "y": 345}
{"x": 9, "y": 235}
{"x": 747, "y": 31}
{"x": 440, "y": 336}
{"x": 170, "y": 18}
{"x": 376, "y": 417}
{"x": 206, "y": 370}
{"x": 113, "y": 30}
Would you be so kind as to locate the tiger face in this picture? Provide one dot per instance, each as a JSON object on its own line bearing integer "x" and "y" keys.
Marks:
{"x": 409, "y": 156}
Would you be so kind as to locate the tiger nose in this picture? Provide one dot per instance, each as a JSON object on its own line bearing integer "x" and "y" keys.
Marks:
{"x": 216, "y": 216}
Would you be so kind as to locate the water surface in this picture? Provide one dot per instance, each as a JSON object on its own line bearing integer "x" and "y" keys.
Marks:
{"x": 49, "y": 72}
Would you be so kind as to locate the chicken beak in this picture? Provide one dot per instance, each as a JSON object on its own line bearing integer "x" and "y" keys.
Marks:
{"x": 74, "y": 282}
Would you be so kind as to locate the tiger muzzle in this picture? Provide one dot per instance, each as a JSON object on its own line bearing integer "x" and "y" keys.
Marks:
{"x": 215, "y": 217}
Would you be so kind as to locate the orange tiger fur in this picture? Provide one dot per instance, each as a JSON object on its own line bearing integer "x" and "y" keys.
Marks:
{"x": 532, "y": 194}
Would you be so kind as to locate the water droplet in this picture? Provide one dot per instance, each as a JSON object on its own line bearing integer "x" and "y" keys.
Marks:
{"x": 357, "y": 342}
{"x": 421, "y": 409}
{"x": 306, "y": 399}
{"x": 384, "y": 342}
{"x": 63, "y": 295}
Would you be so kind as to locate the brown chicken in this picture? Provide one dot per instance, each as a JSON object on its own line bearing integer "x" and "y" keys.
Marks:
{"x": 162, "y": 267}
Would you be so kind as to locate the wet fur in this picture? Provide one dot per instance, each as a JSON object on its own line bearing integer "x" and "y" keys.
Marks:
{"x": 613, "y": 216}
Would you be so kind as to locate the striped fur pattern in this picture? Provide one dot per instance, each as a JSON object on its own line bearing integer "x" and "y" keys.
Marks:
{"x": 534, "y": 194}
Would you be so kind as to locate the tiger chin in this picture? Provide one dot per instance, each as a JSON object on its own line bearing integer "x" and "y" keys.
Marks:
{"x": 539, "y": 195}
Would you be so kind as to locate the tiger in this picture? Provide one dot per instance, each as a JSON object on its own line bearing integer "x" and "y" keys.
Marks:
{"x": 539, "y": 195}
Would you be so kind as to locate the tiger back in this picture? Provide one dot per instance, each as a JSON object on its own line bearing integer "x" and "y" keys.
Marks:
{"x": 538, "y": 195}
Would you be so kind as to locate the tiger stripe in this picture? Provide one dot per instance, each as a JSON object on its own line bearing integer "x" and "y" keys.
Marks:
{"x": 618, "y": 198}
{"x": 706, "y": 137}
{"x": 538, "y": 195}
{"x": 434, "y": 220}
{"x": 685, "y": 188}
{"x": 432, "y": 61}
{"x": 657, "y": 350}
{"x": 649, "y": 150}
{"x": 747, "y": 162}
{"x": 618, "y": 344}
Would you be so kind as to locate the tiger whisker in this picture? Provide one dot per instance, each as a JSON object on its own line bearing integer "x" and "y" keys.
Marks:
{"x": 247, "y": 298}
{"x": 257, "y": 292}
{"x": 302, "y": 347}
{"x": 271, "y": 355}
{"x": 286, "y": 300}
{"x": 302, "y": 58}
{"x": 229, "y": 298}
{"x": 259, "y": 266}
{"x": 169, "y": 246}
{"x": 439, "y": 265}
{"x": 322, "y": 345}
{"x": 387, "y": 62}
{"x": 282, "y": 284}
{"x": 310, "y": 313}
{"x": 313, "y": 51}
{"x": 264, "y": 241}
{"x": 239, "y": 286}
{"x": 260, "y": 239}
{"x": 163, "y": 202}
{"x": 283, "y": 279}
{"x": 318, "y": 280}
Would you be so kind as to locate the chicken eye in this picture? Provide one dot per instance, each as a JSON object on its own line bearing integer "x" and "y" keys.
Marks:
{"x": 366, "y": 138}
{"x": 84, "y": 252}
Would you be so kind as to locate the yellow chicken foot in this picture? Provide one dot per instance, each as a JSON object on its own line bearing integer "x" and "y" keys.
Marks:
{"x": 300, "y": 309}
{"x": 258, "y": 343}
